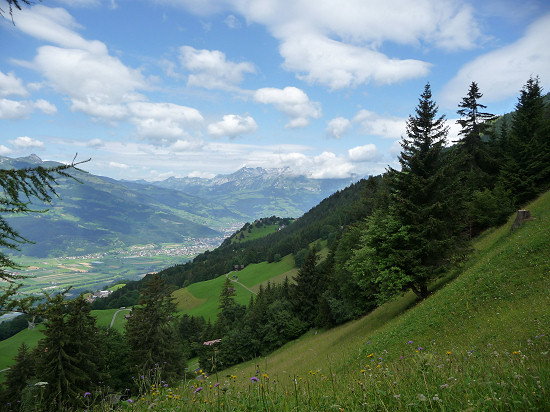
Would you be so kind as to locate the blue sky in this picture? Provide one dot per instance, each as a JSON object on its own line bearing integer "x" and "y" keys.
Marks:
{"x": 152, "y": 89}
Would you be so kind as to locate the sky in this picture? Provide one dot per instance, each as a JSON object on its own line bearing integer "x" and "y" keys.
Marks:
{"x": 161, "y": 88}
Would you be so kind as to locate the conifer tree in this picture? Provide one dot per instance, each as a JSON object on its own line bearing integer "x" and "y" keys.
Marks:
{"x": 151, "y": 332}
{"x": 410, "y": 245}
{"x": 70, "y": 357}
{"x": 19, "y": 374}
{"x": 526, "y": 170}
{"x": 305, "y": 294}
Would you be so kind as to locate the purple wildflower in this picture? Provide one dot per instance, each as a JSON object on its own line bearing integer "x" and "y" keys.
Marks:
{"x": 420, "y": 348}
{"x": 86, "y": 394}
{"x": 129, "y": 400}
{"x": 198, "y": 389}
{"x": 217, "y": 384}
{"x": 409, "y": 342}
{"x": 254, "y": 379}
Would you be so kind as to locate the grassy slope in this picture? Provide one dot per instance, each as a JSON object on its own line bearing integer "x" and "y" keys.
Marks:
{"x": 481, "y": 342}
{"x": 201, "y": 299}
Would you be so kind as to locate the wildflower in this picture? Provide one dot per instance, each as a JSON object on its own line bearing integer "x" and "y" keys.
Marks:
{"x": 397, "y": 396}
{"x": 516, "y": 352}
{"x": 87, "y": 394}
{"x": 254, "y": 379}
{"x": 362, "y": 370}
{"x": 265, "y": 376}
{"x": 409, "y": 342}
{"x": 129, "y": 400}
{"x": 198, "y": 389}
{"x": 420, "y": 348}
{"x": 449, "y": 352}
{"x": 216, "y": 384}
{"x": 421, "y": 397}
{"x": 370, "y": 356}
{"x": 445, "y": 385}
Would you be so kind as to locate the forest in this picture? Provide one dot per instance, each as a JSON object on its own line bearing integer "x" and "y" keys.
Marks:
{"x": 386, "y": 235}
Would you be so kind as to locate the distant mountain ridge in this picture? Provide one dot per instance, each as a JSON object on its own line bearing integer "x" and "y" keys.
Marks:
{"x": 258, "y": 192}
{"x": 101, "y": 213}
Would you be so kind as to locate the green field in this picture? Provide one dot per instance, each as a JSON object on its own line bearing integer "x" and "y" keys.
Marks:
{"x": 479, "y": 342}
{"x": 201, "y": 299}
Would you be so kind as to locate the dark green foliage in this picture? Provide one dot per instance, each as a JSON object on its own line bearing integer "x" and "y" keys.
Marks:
{"x": 412, "y": 242}
{"x": 70, "y": 354}
{"x": 152, "y": 334}
{"x": 11, "y": 327}
{"x": 526, "y": 170}
{"x": 19, "y": 375}
{"x": 305, "y": 293}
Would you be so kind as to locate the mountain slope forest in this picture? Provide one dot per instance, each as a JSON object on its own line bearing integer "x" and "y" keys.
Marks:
{"x": 388, "y": 235}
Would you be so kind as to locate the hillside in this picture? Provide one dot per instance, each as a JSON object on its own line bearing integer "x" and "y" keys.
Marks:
{"x": 480, "y": 342}
{"x": 100, "y": 214}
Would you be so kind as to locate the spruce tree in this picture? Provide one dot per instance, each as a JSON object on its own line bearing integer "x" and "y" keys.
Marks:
{"x": 152, "y": 334}
{"x": 305, "y": 293}
{"x": 70, "y": 357}
{"x": 19, "y": 374}
{"x": 412, "y": 243}
{"x": 526, "y": 169}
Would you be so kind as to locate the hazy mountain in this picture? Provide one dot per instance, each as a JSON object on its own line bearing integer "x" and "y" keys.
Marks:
{"x": 100, "y": 213}
{"x": 258, "y": 192}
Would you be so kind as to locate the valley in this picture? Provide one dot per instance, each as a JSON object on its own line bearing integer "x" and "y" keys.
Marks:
{"x": 97, "y": 270}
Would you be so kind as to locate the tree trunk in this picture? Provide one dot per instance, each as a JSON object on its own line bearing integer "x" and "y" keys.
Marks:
{"x": 520, "y": 218}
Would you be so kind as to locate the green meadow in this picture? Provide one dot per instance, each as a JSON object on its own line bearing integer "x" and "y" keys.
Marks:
{"x": 481, "y": 341}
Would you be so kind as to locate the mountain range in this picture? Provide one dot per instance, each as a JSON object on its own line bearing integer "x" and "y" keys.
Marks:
{"x": 96, "y": 213}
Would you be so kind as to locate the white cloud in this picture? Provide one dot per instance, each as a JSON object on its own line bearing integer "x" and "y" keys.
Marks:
{"x": 186, "y": 145}
{"x": 366, "y": 153}
{"x": 371, "y": 123}
{"x": 291, "y": 101}
{"x": 202, "y": 175}
{"x": 45, "y": 107}
{"x": 98, "y": 85}
{"x": 232, "y": 22}
{"x": 233, "y": 125}
{"x": 337, "y": 127}
{"x": 11, "y": 85}
{"x": 502, "y": 73}
{"x": 319, "y": 59}
{"x": 324, "y": 166}
{"x": 340, "y": 43}
{"x": 118, "y": 165}
{"x": 56, "y": 25}
{"x": 163, "y": 123}
{"x": 211, "y": 70}
{"x": 4, "y": 150}
{"x": 25, "y": 142}
{"x": 95, "y": 143}
{"x": 81, "y": 3}
{"x": 11, "y": 109}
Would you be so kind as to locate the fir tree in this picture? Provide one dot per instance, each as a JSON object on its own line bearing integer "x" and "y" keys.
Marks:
{"x": 70, "y": 353}
{"x": 19, "y": 374}
{"x": 305, "y": 294}
{"x": 151, "y": 334}
{"x": 411, "y": 244}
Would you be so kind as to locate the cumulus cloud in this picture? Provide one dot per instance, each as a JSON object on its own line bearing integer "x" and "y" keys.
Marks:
{"x": 327, "y": 165}
{"x": 163, "y": 123}
{"x": 4, "y": 150}
{"x": 366, "y": 153}
{"x": 45, "y": 107}
{"x": 12, "y": 109}
{"x": 340, "y": 44}
{"x": 371, "y": 123}
{"x": 503, "y": 72}
{"x": 291, "y": 101}
{"x": 11, "y": 85}
{"x": 25, "y": 142}
{"x": 210, "y": 69}
{"x": 337, "y": 127}
{"x": 319, "y": 59}
{"x": 97, "y": 83}
{"x": 233, "y": 125}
